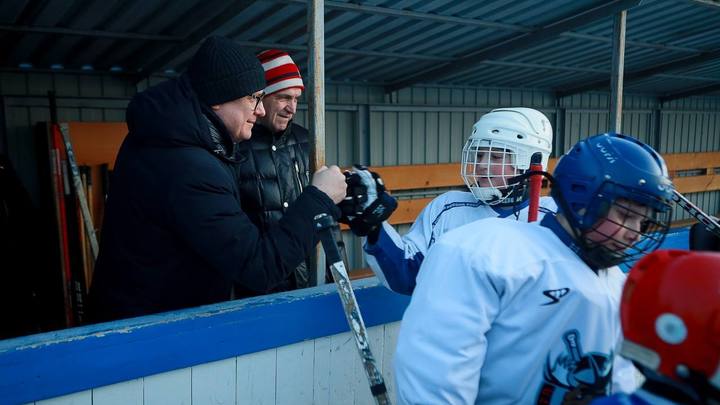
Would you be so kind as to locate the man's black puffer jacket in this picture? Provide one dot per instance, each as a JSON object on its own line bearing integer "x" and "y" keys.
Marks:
{"x": 273, "y": 171}
{"x": 175, "y": 234}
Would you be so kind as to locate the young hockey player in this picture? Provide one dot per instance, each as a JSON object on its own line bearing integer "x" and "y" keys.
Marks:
{"x": 499, "y": 148}
{"x": 507, "y": 312}
{"x": 670, "y": 314}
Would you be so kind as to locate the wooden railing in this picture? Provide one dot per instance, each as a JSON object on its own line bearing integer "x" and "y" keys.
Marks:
{"x": 98, "y": 142}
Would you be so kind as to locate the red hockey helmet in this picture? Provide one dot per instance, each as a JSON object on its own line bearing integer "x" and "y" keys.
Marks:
{"x": 670, "y": 314}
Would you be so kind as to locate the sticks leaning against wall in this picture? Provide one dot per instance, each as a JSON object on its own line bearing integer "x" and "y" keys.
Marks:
{"x": 69, "y": 230}
{"x": 76, "y": 213}
{"x": 58, "y": 191}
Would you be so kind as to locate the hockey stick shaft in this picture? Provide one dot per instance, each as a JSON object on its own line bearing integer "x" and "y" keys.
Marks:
{"x": 325, "y": 223}
{"x": 79, "y": 190}
{"x": 711, "y": 224}
{"x": 341, "y": 248}
{"x": 535, "y": 186}
{"x": 59, "y": 193}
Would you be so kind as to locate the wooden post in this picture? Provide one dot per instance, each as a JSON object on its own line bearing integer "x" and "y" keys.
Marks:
{"x": 618, "y": 67}
{"x": 316, "y": 105}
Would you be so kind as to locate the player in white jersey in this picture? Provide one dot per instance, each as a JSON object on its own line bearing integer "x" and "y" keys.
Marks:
{"x": 671, "y": 320}
{"x": 507, "y": 312}
{"x": 499, "y": 148}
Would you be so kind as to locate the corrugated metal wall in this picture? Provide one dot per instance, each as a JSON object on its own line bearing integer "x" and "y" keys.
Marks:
{"x": 79, "y": 98}
{"x": 419, "y": 125}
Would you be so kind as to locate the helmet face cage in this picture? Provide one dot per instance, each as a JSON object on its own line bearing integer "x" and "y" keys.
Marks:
{"x": 633, "y": 212}
{"x": 487, "y": 167}
{"x": 500, "y": 147}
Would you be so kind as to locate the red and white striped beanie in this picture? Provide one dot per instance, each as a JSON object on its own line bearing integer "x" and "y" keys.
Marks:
{"x": 280, "y": 71}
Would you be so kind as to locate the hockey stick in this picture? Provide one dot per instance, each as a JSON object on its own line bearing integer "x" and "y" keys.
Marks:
{"x": 711, "y": 224}
{"x": 337, "y": 232}
{"x": 79, "y": 190}
{"x": 535, "y": 186}
{"x": 324, "y": 223}
{"x": 64, "y": 250}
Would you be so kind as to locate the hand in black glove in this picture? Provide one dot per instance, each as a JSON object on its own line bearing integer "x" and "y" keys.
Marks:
{"x": 367, "y": 204}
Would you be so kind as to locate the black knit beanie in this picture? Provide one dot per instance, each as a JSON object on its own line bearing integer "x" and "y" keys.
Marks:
{"x": 222, "y": 71}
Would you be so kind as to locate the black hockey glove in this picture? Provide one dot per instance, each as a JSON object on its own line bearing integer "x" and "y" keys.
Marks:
{"x": 367, "y": 204}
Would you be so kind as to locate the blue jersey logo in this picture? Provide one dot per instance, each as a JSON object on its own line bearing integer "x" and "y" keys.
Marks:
{"x": 555, "y": 295}
{"x": 575, "y": 377}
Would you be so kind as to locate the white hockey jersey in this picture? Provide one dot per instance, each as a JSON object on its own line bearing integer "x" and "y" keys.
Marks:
{"x": 505, "y": 313}
{"x": 396, "y": 260}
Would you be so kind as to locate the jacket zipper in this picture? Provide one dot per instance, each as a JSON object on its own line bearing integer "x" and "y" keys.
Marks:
{"x": 297, "y": 175}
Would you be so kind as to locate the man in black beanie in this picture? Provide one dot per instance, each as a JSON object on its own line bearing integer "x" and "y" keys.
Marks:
{"x": 175, "y": 234}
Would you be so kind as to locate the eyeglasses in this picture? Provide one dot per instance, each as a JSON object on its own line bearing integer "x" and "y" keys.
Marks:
{"x": 258, "y": 99}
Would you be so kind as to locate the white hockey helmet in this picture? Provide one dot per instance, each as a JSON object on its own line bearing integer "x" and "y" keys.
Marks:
{"x": 500, "y": 147}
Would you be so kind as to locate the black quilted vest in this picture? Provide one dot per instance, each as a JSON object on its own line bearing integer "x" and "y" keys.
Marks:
{"x": 273, "y": 171}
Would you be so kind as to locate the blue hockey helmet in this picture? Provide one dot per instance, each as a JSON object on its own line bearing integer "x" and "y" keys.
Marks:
{"x": 607, "y": 167}
{"x": 603, "y": 169}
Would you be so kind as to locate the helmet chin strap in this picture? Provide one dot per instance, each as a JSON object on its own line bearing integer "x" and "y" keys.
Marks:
{"x": 598, "y": 256}
{"x": 488, "y": 195}
{"x": 505, "y": 197}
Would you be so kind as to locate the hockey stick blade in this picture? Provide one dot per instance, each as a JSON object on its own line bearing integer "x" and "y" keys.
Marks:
{"x": 711, "y": 224}
{"x": 324, "y": 224}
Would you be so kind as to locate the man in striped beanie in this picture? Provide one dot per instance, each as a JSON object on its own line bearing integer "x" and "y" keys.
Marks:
{"x": 275, "y": 163}
{"x": 284, "y": 88}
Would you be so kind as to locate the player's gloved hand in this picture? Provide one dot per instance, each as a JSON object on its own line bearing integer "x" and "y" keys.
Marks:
{"x": 367, "y": 204}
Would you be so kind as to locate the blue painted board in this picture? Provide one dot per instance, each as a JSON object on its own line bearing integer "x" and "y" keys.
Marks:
{"x": 52, "y": 364}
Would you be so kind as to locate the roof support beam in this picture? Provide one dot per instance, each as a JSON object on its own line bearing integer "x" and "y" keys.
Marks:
{"x": 390, "y": 12}
{"x": 215, "y": 23}
{"x": 707, "y": 3}
{"x": 26, "y": 29}
{"x": 366, "y": 9}
{"x": 516, "y": 43}
{"x": 644, "y": 73}
{"x": 182, "y": 59}
{"x": 692, "y": 92}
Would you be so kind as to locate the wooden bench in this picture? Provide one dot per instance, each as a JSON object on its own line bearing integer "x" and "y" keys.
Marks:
{"x": 96, "y": 143}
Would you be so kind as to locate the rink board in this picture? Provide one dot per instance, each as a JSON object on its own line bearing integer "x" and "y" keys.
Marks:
{"x": 279, "y": 349}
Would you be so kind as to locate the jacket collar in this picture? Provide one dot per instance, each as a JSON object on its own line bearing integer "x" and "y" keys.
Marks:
{"x": 260, "y": 130}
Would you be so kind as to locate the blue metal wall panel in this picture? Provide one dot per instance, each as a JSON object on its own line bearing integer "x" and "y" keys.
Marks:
{"x": 689, "y": 131}
{"x": 707, "y": 201}
{"x": 639, "y": 124}
{"x": 80, "y": 98}
{"x": 579, "y": 124}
